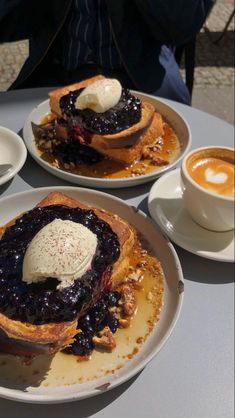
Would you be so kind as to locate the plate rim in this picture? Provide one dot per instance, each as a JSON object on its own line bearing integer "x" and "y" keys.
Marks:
{"x": 22, "y": 157}
{"x": 29, "y": 397}
{"x": 207, "y": 255}
{"x": 99, "y": 182}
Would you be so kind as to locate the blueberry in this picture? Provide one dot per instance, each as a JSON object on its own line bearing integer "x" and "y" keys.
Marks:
{"x": 112, "y": 298}
{"x": 112, "y": 322}
{"x": 82, "y": 346}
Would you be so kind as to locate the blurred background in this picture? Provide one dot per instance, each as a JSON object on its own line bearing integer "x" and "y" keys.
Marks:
{"x": 213, "y": 90}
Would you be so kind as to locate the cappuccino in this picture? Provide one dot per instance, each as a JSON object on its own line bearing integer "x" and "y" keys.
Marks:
{"x": 207, "y": 180}
{"x": 212, "y": 173}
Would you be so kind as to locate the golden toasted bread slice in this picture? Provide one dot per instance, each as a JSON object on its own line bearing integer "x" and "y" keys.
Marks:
{"x": 26, "y": 339}
{"x": 47, "y": 337}
{"x": 55, "y": 95}
{"x": 128, "y": 155}
{"x": 127, "y": 137}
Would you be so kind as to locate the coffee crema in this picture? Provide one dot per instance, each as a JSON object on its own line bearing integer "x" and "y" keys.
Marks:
{"x": 213, "y": 173}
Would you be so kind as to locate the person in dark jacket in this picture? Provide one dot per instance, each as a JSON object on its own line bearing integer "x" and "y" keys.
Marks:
{"x": 131, "y": 40}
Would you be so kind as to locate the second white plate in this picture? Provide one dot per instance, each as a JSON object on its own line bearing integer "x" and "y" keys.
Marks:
{"x": 12, "y": 206}
{"x": 175, "y": 119}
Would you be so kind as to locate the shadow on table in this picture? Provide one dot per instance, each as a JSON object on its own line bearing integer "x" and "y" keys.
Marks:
{"x": 82, "y": 409}
{"x": 18, "y": 374}
{"x": 24, "y": 95}
{"x": 197, "y": 268}
{"x": 202, "y": 270}
{"x": 36, "y": 176}
{"x": 5, "y": 186}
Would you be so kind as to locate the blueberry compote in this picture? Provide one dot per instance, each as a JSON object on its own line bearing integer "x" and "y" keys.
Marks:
{"x": 68, "y": 150}
{"x": 94, "y": 321}
{"x": 123, "y": 115}
{"x": 41, "y": 303}
{"x": 71, "y": 151}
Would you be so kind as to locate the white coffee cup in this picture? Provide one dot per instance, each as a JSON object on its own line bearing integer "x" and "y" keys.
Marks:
{"x": 208, "y": 188}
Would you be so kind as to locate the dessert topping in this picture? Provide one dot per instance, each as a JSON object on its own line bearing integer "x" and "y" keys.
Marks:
{"x": 63, "y": 250}
{"x": 100, "y": 95}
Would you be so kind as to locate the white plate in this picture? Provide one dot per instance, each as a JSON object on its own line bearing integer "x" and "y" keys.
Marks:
{"x": 173, "y": 294}
{"x": 12, "y": 151}
{"x": 172, "y": 116}
{"x": 166, "y": 208}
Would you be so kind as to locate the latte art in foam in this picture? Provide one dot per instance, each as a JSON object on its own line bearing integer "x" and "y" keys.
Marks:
{"x": 213, "y": 177}
{"x": 214, "y": 174}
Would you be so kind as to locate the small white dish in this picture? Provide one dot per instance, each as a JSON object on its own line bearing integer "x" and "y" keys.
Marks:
{"x": 13, "y": 205}
{"x": 174, "y": 118}
{"x": 166, "y": 208}
{"x": 12, "y": 151}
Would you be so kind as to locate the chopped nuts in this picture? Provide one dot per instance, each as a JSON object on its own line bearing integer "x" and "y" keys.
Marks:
{"x": 142, "y": 263}
{"x": 128, "y": 300}
{"x": 115, "y": 310}
{"x": 158, "y": 161}
{"x": 105, "y": 339}
{"x": 160, "y": 141}
{"x": 124, "y": 322}
{"x": 56, "y": 163}
{"x": 138, "y": 171}
{"x": 136, "y": 276}
{"x": 150, "y": 296}
{"x": 146, "y": 153}
{"x": 140, "y": 340}
{"x": 137, "y": 286}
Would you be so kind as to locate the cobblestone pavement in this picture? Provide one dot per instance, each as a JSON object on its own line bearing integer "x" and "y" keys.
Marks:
{"x": 214, "y": 61}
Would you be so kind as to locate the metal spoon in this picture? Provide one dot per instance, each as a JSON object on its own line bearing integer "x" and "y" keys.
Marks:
{"x": 4, "y": 168}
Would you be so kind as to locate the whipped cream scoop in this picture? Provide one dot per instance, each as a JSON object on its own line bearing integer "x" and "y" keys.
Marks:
{"x": 100, "y": 96}
{"x": 63, "y": 250}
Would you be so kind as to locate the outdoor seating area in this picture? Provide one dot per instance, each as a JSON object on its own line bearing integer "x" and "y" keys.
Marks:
{"x": 117, "y": 197}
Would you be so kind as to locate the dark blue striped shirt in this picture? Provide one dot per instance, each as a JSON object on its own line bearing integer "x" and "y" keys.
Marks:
{"x": 88, "y": 37}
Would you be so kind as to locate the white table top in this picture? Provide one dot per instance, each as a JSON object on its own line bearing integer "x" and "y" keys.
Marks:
{"x": 193, "y": 374}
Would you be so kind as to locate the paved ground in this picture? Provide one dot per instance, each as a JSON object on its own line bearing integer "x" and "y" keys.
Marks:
{"x": 214, "y": 71}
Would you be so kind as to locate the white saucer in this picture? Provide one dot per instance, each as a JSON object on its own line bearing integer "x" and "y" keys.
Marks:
{"x": 12, "y": 151}
{"x": 166, "y": 208}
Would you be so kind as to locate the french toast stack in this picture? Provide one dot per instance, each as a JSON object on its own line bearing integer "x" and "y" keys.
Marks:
{"x": 27, "y": 339}
{"x": 126, "y": 146}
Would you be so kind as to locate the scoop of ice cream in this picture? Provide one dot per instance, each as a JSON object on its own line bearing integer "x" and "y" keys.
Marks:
{"x": 63, "y": 250}
{"x": 100, "y": 95}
